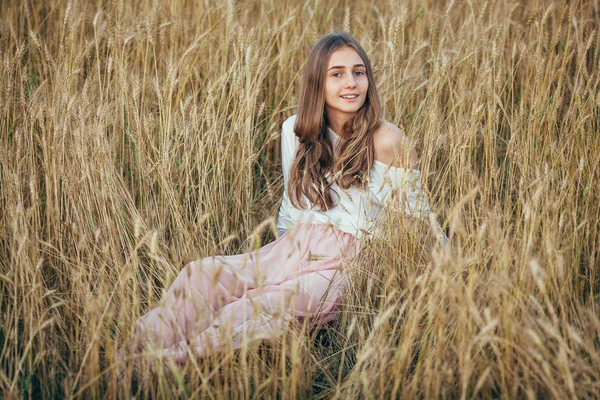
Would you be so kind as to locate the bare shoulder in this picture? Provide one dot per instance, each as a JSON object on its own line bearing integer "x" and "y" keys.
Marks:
{"x": 393, "y": 147}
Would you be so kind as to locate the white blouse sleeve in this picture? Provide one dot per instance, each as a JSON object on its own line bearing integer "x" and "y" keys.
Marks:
{"x": 289, "y": 143}
{"x": 401, "y": 189}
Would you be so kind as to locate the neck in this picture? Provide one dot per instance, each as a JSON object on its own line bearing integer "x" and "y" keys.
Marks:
{"x": 337, "y": 120}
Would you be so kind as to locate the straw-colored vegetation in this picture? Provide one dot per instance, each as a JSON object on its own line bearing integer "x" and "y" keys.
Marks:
{"x": 137, "y": 136}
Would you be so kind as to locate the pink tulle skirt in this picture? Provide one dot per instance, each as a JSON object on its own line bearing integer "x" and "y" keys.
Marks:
{"x": 225, "y": 300}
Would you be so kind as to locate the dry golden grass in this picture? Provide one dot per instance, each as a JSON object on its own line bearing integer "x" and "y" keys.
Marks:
{"x": 136, "y": 136}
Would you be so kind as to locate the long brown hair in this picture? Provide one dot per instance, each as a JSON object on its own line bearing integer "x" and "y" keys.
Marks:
{"x": 314, "y": 161}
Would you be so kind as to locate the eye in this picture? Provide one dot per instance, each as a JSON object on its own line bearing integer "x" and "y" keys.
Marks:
{"x": 336, "y": 74}
{"x": 359, "y": 73}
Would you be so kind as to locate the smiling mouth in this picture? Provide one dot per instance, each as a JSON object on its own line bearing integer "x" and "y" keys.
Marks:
{"x": 349, "y": 96}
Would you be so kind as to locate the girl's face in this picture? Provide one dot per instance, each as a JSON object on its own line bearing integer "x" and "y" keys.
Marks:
{"x": 346, "y": 82}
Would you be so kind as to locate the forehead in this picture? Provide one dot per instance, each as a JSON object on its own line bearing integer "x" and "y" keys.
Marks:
{"x": 345, "y": 56}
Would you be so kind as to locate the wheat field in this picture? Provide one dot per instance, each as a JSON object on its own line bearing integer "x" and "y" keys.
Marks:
{"x": 138, "y": 136}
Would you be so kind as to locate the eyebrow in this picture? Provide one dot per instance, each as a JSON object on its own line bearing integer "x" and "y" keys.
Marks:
{"x": 342, "y": 67}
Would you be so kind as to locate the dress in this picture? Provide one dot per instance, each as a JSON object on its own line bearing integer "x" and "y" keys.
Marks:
{"x": 224, "y": 300}
{"x": 357, "y": 211}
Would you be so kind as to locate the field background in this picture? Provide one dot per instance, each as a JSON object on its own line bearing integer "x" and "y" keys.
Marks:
{"x": 137, "y": 136}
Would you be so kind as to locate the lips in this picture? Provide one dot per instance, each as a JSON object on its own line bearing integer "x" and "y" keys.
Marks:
{"x": 349, "y": 98}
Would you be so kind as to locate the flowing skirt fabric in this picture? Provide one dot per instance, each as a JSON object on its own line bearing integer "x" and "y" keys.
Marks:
{"x": 227, "y": 299}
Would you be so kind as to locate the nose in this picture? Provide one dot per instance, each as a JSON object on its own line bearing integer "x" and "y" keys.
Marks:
{"x": 351, "y": 82}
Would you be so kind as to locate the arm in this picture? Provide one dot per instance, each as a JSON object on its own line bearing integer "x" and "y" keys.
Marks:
{"x": 288, "y": 151}
{"x": 398, "y": 174}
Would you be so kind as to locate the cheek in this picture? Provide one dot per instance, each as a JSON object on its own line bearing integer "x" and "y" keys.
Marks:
{"x": 330, "y": 90}
{"x": 364, "y": 84}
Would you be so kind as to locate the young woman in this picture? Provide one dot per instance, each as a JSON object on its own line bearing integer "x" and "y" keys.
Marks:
{"x": 341, "y": 164}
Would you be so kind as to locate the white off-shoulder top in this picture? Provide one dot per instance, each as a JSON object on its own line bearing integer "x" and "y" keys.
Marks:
{"x": 357, "y": 211}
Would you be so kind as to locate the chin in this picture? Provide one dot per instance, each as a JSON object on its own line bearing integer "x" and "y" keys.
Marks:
{"x": 353, "y": 109}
